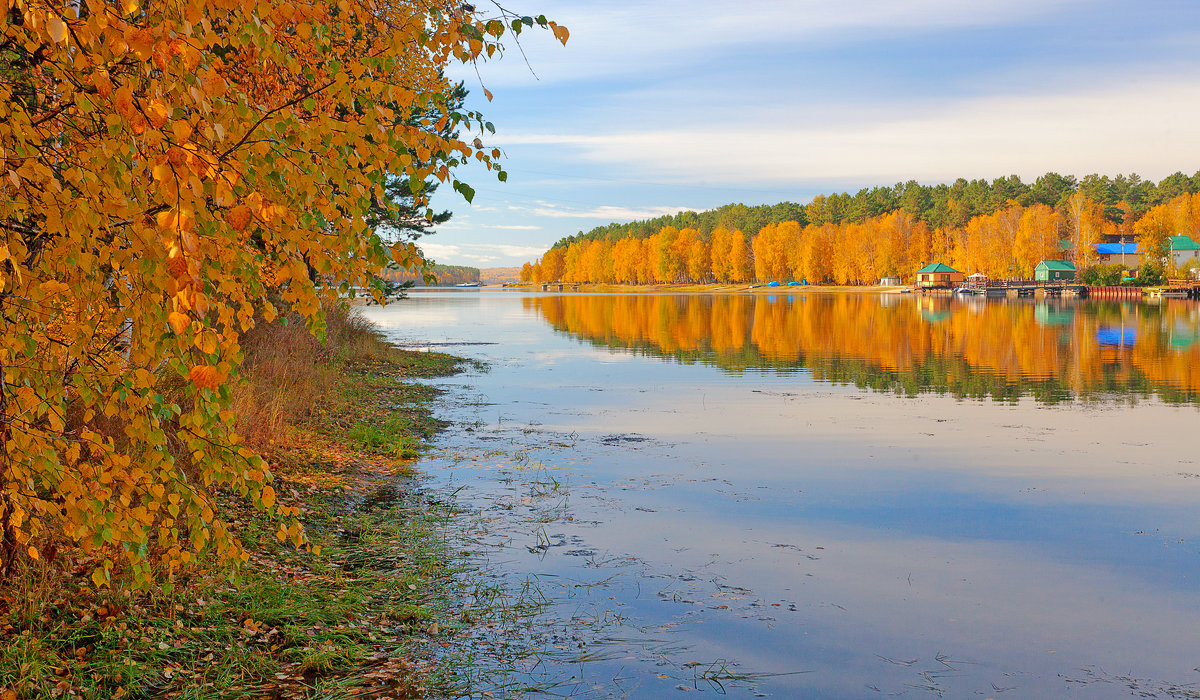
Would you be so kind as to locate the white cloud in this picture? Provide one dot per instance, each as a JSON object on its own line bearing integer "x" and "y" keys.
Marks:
{"x": 480, "y": 252}
{"x": 606, "y": 212}
{"x": 613, "y": 38}
{"x": 1145, "y": 127}
{"x": 438, "y": 251}
{"x": 512, "y": 227}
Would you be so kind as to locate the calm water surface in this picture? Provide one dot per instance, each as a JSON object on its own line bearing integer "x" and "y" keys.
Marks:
{"x": 831, "y": 496}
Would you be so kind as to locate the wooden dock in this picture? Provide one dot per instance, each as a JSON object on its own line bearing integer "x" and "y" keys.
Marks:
{"x": 1016, "y": 289}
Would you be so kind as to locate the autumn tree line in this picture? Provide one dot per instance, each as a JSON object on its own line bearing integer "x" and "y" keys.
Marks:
{"x": 434, "y": 274}
{"x": 1003, "y": 228}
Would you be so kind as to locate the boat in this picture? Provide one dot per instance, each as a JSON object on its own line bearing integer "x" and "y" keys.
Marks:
{"x": 466, "y": 285}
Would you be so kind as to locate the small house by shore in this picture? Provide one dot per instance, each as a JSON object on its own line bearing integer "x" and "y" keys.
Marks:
{"x": 938, "y": 275}
{"x": 1055, "y": 271}
{"x": 1183, "y": 250}
{"x": 1117, "y": 253}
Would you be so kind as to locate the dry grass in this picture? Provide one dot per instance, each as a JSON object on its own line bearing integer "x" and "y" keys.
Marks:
{"x": 288, "y": 371}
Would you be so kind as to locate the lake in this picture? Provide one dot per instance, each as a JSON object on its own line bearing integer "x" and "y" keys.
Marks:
{"x": 825, "y": 495}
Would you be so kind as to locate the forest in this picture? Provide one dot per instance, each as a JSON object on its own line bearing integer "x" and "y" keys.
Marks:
{"x": 1002, "y": 228}
{"x": 434, "y": 274}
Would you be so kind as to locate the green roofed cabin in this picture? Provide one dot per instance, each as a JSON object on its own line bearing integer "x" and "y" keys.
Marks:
{"x": 1183, "y": 249}
{"x": 938, "y": 275}
{"x": 1054, "y": 271}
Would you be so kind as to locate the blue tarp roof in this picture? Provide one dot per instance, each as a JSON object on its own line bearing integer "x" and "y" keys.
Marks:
{"x": 1115, "y": 248}
{"x": 1116, "y": 336}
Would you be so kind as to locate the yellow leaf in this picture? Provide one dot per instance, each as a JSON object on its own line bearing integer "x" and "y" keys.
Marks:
{"x": 57, "y": 29}
{"x": 179, "y": 322}
{"x": 203, "y": 376}
{"x": 157, "y": 112}
{"x": 268, "y": 496}
{"x": 33, "y": 553}
{"x": 207, "y": 342}
{"x": 224, "y": 194}
{"x": 239, "y": 217}
{"x": 182, "y": 130}
{"x": 54, "y": 287}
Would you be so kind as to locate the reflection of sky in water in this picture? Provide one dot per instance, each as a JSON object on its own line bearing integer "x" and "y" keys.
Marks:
{"x": 914, "y": 545}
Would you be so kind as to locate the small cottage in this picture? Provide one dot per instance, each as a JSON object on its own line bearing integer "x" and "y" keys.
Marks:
{"x": 1183, "y": 250}
{"x": 1054, "y": 271}
{"x": 1117, "y": 253}
{"x": 938, "y": 275}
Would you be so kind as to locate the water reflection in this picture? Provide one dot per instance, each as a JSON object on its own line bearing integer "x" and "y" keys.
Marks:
{"x": 1051, "y": 350}
{"x": 723, "y": 523}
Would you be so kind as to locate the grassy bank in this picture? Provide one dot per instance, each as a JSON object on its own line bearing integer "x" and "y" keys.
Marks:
{"x": 364, "y": 610}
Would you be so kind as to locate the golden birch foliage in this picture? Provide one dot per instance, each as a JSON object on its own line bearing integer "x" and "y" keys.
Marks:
{"x": 771, "y": 247}
{"x": 719, "y": 248}
{"x": 815, "y": 254}
{"x": 167, "y": 169}
{"x": 1152, "y": 232}
{"x": 1087, "y": 226}
{"x": 552, "y": 265}
{"x": 1038, "y": 235}
{"x": 572, "y": 263}
{"x": 627, "y": 253}
{"x": 741, "y": 259}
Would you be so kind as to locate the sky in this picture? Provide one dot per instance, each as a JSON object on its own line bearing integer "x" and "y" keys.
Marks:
{"x": 661, "y": 106}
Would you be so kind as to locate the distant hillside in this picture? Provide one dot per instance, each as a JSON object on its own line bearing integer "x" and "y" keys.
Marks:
{"x": 446, "y": 275}
{"x": 499, "y": 275}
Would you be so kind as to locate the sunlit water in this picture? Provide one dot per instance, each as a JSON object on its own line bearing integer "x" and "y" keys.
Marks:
{"x": 831, "y": 496}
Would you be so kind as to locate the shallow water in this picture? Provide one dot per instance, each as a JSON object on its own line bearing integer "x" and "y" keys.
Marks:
{"x": 831, "y": 496}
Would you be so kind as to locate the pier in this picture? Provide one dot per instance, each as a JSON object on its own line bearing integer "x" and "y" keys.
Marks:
{"x": 1016, "y": 289}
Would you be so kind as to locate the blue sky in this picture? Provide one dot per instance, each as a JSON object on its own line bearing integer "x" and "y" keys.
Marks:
{"x": 655, "y": 107}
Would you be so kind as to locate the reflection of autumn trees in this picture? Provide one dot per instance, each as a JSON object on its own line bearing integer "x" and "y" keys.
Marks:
{"x": 1050, "y": 351}
{"x": 1006, "y": 242}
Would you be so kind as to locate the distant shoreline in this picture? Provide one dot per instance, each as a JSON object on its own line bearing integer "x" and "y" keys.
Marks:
{"x": 708, "y": 288}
